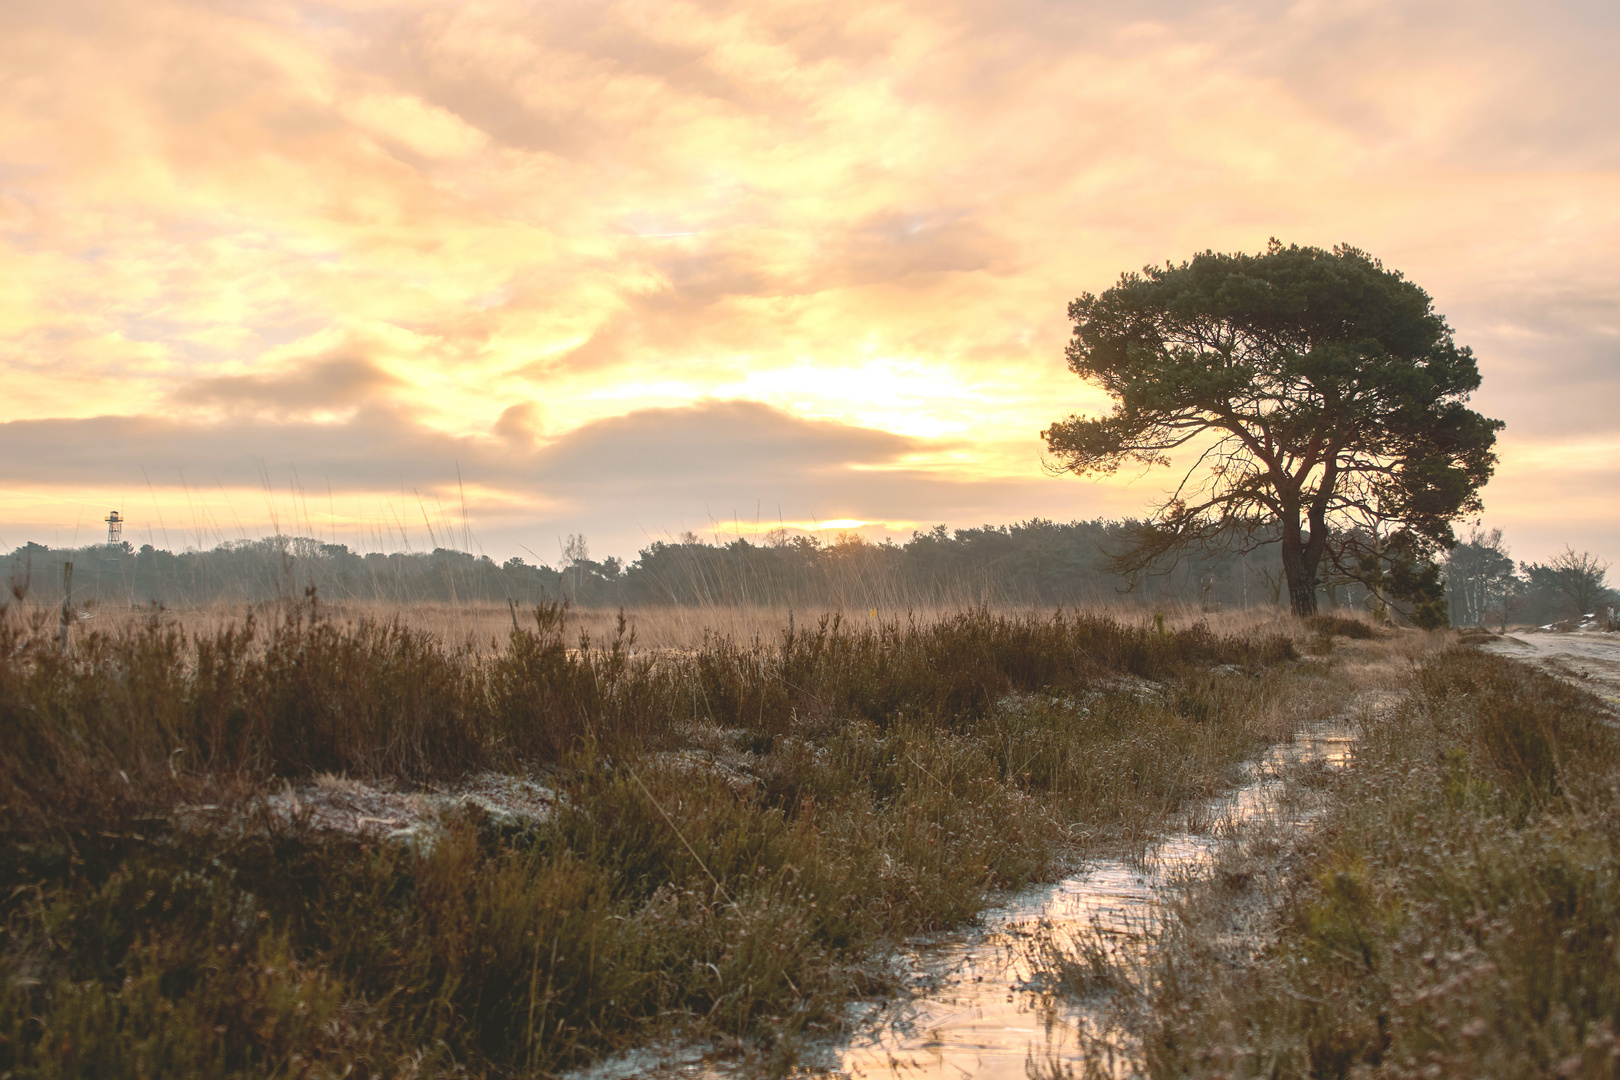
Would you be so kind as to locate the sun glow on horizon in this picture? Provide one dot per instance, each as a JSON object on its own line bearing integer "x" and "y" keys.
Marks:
{"x": 611, "y": 270}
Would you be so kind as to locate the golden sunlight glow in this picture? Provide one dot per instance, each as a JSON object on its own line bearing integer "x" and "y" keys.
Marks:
{"x": 404, "y": 270}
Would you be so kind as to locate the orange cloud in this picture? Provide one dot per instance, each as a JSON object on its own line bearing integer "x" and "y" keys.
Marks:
{"x": 412, "y": 234}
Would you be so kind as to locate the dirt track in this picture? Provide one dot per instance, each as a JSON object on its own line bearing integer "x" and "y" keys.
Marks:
{"x": 1589, "y": 659}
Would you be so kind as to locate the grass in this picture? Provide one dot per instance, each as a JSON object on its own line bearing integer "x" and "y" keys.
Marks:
{"x": 1341, "y": 626}
{"x": 741, "y": 825}
{"x": 484, "y": 627}
{"x": 1453, "y": 914}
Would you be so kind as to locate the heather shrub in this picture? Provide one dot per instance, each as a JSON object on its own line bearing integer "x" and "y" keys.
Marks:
{"x": 736, "y": 828}
{"x": 1454, "y": 914}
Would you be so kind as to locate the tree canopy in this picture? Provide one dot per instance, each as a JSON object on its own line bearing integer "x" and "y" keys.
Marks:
{"x": 1480, "y": 580}
{"x": 1318, "y": 400}
{"x": 1577, "y": 576}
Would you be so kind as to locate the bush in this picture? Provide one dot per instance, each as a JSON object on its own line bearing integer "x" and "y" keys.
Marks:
{"x": 1340, "y": 626}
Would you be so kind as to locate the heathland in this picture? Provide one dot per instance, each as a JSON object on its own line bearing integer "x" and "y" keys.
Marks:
{"x": 1449, "y": 911}
{"x": 312, "y": 842}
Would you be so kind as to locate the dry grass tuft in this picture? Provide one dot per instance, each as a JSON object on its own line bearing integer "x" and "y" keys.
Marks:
{"x": 1341, "y": 626}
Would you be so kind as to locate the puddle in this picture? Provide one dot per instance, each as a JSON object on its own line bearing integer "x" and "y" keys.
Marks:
{"x": 972, "y": 1010}
{"x": 975, "y": 1014}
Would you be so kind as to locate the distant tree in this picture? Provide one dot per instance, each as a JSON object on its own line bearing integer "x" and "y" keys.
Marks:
{"x": 1275, "y": 581}
{"x": 576, "y": 553}
{"x": 1319, "y": 394}
{"x": 1576, "y": 576}
{"x": 1480, "y": 579}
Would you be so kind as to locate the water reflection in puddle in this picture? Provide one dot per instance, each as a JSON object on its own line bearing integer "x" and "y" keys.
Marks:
{"x": 975, "y": 1014}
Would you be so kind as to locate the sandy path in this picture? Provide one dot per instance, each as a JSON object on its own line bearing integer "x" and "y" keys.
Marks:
{"x": 1587, "y": 658}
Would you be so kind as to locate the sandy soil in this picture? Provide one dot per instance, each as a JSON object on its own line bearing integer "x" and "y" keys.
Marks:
{"x": 1587, "y": 658}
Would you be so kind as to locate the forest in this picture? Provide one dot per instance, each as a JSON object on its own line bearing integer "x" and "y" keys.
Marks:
{"x": 1036, "y": 563}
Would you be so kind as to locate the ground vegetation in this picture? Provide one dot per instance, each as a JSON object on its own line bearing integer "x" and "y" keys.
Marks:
{"x": 1453, "y": 913}
{"x": 734, "y": 830}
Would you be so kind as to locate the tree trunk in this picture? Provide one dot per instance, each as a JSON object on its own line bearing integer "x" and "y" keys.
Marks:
{"x": 1301, "y": 597}
{"x": 1301, "y": 582}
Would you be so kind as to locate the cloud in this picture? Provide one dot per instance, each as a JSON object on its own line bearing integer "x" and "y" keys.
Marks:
{"x": 728, "y": 249}
{"x": 520, "y": 425}
{"x": 894, "y": 246}
{"x": 325, "y": 385}
{"x": 721, "y": 446}
{"x": 678, "y": 452}
{"x": 377, "y": 448}
{"x": 653, "y": 472}
{"x": 428, "y": 130}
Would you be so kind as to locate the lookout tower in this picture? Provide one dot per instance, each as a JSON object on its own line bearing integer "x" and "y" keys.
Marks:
{"x": 115, "y": 528}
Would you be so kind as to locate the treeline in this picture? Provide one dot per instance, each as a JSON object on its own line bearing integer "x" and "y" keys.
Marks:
{"x": 1484, "y": 586}
{"x": 1033, "y": 562}
{"x": 1036, "y": 562}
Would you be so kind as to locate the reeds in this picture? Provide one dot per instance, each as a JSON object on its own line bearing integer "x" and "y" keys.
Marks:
{"x": 740, "y": 825}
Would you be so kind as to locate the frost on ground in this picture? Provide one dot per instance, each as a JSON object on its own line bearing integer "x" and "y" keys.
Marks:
{"x": 345, "y": 807}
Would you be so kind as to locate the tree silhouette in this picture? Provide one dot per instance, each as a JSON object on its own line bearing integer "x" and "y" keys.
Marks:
{"x": 1578, "y": 575}
{"x": 1320, "y": 397}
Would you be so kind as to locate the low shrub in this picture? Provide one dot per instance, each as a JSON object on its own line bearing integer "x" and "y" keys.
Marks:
{"x": 1455, "y": 913}
{"x": 737, "y": 827}
{"x": 1340, "y": 626}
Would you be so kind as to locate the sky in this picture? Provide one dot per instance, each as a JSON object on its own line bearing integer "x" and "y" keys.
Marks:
{"x": 405, "y": 274}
